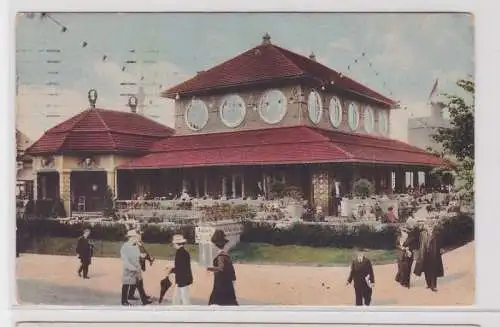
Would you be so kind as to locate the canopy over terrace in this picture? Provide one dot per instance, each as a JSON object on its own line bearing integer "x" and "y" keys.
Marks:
{"x": 232, "y": 163}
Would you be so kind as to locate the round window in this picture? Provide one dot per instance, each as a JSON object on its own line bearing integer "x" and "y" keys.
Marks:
{"x": 232, "y": 110}
{"x": 196, "y": 115}
{"x": 272, "y": 107}
{"x": 314, "y": 107}
{"x": 335, "y": 112}
{"x": 369, "y": 120}
{"x": 383, "y": 122}
{"x": 353, "y": 116}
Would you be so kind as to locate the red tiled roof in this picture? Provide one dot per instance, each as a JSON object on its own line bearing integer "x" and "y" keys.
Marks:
{"x": 270, "y": 62}
{"x": 285, "y": 145}
{"x": 100, "y": 130}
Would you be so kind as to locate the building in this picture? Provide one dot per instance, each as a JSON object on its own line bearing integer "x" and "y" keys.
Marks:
{"x": 265, "y": 116}
{"x": 421, "y": 129}
{"x": 24, "y": 168}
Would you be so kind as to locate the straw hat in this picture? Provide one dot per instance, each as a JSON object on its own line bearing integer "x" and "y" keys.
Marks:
{"x": 411, "y": 223}
{"x": 219, "y": 237}
{"x": 178, "y": 239}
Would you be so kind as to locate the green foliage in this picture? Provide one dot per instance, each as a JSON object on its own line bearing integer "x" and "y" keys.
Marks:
{"x": 226, "y": 211}
{"x": 363, "y": 188}
{"x": 35, "y": 228}
{"x": 108, "y": 209}
{"x": 277, "y": 189}
{"x": 458, "y": 140}
{"x": 456, "y": 231}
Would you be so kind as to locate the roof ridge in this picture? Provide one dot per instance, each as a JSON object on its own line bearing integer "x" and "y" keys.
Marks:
{"x": 331, "y": 70}
{"x": 83, "y": 115}
{"x": 108, "y": 130}
{"x": 127, "y": 113}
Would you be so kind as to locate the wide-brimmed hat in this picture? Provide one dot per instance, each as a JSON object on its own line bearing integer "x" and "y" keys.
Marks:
{"x": 411, "y": 223}
{"x": 178, "y": 239}
{"x": 219, "y": 237}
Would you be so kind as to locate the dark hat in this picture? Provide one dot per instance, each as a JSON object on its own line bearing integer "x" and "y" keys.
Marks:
{"x": 219, "y": 237}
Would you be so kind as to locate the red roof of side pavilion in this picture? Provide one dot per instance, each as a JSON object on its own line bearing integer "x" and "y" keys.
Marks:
{"x": 286, "y": 145}
{"x": 101, "y": 130}
{"x": 268, "y": 62}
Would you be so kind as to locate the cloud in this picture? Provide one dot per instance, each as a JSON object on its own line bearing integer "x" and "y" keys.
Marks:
{"x": 396, "y": 53}
{"x": 37, "y": 111}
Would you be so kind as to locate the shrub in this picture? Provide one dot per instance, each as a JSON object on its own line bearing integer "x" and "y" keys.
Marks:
{"x": 456, "y": 231}
{"x": 40, "y": 228}
{"x": 227, "y": 212}
{"x": 363, "y": 188}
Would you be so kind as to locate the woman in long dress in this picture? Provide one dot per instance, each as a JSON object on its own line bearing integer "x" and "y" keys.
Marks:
{"x": 430, "y": 262}
{"x": 224, "y": 275}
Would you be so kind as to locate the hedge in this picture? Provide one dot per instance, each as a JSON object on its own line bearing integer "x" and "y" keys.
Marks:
{"x": 456, "y": 231}
{"x": 39, "y": 228}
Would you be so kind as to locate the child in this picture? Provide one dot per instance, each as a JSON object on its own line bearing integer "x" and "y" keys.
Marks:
{"x": 182, "y": 271}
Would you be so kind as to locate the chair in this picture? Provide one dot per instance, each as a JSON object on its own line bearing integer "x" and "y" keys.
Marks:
{"x": 80, "y": 206}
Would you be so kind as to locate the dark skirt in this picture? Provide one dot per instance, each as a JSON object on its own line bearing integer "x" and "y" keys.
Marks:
{"x": 404, "y": 269}
{"x": 223, "y": 292}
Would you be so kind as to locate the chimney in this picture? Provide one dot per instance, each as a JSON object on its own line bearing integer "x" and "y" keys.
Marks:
{"x": 266, "y": 39}
{"x": 312, "y": 56}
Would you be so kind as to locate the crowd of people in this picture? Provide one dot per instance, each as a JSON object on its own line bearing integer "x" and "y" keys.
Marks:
{"x": 134, "y": 256}
{"x": 418, "y": 243}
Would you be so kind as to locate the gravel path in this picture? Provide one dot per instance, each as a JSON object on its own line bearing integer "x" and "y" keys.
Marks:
{"x": 44, "y": 279}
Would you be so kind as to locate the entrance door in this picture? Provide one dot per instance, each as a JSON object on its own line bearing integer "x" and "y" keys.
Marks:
{"x": 87, "y": 190}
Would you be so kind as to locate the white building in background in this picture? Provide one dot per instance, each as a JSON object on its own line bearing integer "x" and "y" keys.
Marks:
{"x": 421, "y": 129}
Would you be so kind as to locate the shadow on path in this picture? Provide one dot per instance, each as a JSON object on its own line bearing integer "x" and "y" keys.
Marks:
{"x": 40, "y": 292}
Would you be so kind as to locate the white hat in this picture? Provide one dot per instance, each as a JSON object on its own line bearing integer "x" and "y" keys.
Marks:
{"x": 411, "y": 222}
{"x": 132, "y": 233}
{"x": 178, "y": 239}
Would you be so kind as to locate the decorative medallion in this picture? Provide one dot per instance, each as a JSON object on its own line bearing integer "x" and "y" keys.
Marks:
{"x": 47, "y": 162}
{"x": 369, "y": 120}
{"x": 314, "y": 107}
{"x": 196, "y": 115}
{"x": 232, "y": 110}
{"x": 335, "y": 112}
{"x": 272, "y": 107}
{"x": 353, "y": 116}
{"x": 88, "y": 163}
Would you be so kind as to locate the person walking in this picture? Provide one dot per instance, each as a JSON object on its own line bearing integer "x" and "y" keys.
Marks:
{"x": 84, "y": 250}
{"x": 145, "y": 256}
{"x": 182, "y": 271}
{"x": 224, "y": 275}
{"x": 132, "y": 274}
{"x": 362, "y": 276}
{"x": 430, "y": 262}
{"x": 407, "y": 244}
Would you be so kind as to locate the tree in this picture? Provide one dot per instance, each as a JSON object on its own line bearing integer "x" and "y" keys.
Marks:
{"x": 458, "y": 139}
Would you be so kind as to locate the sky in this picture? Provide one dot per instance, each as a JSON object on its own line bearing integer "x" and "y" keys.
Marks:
{"x": 403, "y": 56}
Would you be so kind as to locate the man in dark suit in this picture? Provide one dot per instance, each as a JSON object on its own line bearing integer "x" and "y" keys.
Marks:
{"x": 336, "y": 197}
{"x": 363, "y": 277}
{"x": 182, "y": 271}
{"x": 84, "y": 249}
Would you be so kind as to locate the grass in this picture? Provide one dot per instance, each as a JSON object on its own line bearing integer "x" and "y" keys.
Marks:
{"x": 242, "y": 253}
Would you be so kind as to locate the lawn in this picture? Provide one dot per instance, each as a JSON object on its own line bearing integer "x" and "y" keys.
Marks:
{"x": 242, "y": 253}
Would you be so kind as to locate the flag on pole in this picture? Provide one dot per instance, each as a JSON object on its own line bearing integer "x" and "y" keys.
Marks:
{"x": 433, "y": 90}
